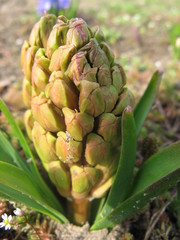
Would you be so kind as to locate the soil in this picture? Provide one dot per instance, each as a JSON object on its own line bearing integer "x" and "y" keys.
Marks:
{"x": 151, "y": 48}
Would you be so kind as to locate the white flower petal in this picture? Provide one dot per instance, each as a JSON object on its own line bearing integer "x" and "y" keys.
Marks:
{"x": 2, "y": 225}
{"x": 7, "y": 227}
{"x": 18, "y": 212}
{"x": 4, "y": 216}
{"x": 10, "y": 218}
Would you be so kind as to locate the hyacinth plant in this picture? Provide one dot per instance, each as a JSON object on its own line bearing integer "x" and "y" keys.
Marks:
{"x": 84, "y": 125}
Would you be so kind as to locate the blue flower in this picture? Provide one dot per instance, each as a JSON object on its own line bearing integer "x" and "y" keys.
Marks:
{"x": 63, "y": 4}
{"x": 46, "y": 5}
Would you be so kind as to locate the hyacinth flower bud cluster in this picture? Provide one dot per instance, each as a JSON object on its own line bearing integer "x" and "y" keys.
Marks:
{"x": 75, "y": 93}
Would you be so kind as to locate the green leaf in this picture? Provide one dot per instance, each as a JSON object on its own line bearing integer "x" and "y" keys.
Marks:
{"x": 157, "y": 166}
{"x": 177, "y": 209}
{"x": 10, "y": 155}
{"x": 19, "y": 180}
{"x": 145, "y": 103}
{"x": 137, "y": 201}
{"x": 96, "y": 206}
{"x": 35, "y": 174}
{"x": 14, "y": 195}
{"x": 159, "y": 173}
{"x": 19, "y": 135}
{"x": 17, "y": 184}
{"x": 123, "y": 178}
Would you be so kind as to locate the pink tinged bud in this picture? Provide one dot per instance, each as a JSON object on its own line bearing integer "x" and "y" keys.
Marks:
{"x": 97, "y": 150}
{"x": 60, "y": 176}
{"x": 46, "y": 114}
{"x": 27, "y": 92}
{"x": 97, "y": 56}
{"x": 98, "y": 34}
{"x": 29, "y": 122}
{"x": 44, "y": 143}
{"x": 104, "y": 76}
{"x": 76, "y": 66}
{"x": 78, "y": 33}
{"x": 91, "y": 98}
{"x": 119, "y": 77}
{"x": 28, "y": 61}
{"x": 62, "y": 19}
{"x": 110, "y": 96}
{"x": 24, "y": 49}
{"x": 46, "y": 24}
{"x": 40, "y": 71}
{"x": 83, "y": 180}
{"x": 68, "y": 150}
{"x": 56, "y": 38}
{"x": 125, "y": 99}
{"x": 78, "y": 125}
{"x": 108, "y": 126}
{"x": 62, "y": 94}
{"x": 89, "y": 74}
{"x": 62, "y": 57}
{"x": 109, "y": 53}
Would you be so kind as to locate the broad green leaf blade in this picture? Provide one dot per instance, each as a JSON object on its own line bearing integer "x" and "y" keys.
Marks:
{"x": 137, "y": 201}
{"x": 35, "y": 174}
{"x": 14, "y": 178}
{"x": 14, "y": 195}
{"x": 19, "y": 134}
{"x": 157, "y": 166}
{"x": 19, "y": 180}
{"x": 10, "y": 155}
{"x": 123, "y": 178}
{"x": 145, "y": 103}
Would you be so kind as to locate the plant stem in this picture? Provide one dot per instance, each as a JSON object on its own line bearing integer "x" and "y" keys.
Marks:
{"x": 78, "y": 211}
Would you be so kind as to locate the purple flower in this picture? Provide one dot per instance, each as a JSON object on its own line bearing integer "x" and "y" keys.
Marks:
{"x": 63, "y": 4}
{"x": 46, "y": 5}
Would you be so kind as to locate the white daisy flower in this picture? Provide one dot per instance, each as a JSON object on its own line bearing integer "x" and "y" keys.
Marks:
{"x": 6, "y": 223}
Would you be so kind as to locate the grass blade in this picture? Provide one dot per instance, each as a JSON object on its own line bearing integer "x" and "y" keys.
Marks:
{"x": 10, "y": 155}
{"x": 97, "y": 205}
{"x": 157, "y": 166}
{"x": 19, "y": 135}
{"x": 14, "y": 195}
{"x": 14, "y": 178}
{"x": 144, "y": 105}
{"x": 19, "y": 180}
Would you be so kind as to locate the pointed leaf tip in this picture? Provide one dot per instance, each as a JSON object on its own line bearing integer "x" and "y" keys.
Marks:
{"x": 128, "y": 109}
{"x": 159, "y": 73}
